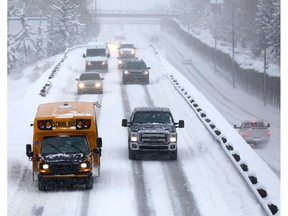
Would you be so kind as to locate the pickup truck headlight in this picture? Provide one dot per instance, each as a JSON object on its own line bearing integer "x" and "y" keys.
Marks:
{"x": 173, "y": 138}
{"x": 81, "y": 85}
{"x": 146, "y": 72}
{"x": 134, "y": 137}
{"x": 120, "y": 62}
{"x": 126, "y": 72}
{"x": 104, "y": 62}
{"x": 98, "y": 85}
{"x": 89, "y": 63}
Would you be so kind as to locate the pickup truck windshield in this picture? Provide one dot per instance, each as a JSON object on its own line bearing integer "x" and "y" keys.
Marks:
{"x": 152, "y": 117}
{"x": 65, "y": 144}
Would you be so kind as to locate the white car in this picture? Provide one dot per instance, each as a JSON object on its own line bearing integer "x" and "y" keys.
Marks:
{"x": 127, "y": 50}
{"x": 90, "y": 82}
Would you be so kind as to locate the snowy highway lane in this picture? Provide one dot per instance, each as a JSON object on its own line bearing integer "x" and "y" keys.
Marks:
{"x": 203, "y": 181}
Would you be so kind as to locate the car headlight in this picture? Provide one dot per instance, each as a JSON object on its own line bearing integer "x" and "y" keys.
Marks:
{"x": 89, "y": 63}
{"x": 98, "y": 85}
{"x": 146, "y": 72}
{"x": 134, "y": 137}
{"x": 120, "y": 62}
{"x": 121, "y": 52}
{"x": 126, "y": 72}
{"x": 81, "y": 85}
{"x": 104, "y": 62}
{"x": 173, "y": 138}
{"x": 132, "y": 51}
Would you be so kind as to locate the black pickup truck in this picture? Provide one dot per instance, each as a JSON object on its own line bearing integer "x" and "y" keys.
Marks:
{"x": 152, "y": 130}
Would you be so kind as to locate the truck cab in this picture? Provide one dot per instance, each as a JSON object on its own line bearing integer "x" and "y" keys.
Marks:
{"x": 66, "y": 148}
{"x": 96, "y": 55}
{"x": 255, "y": 133}
{"x": 152, "y": 131}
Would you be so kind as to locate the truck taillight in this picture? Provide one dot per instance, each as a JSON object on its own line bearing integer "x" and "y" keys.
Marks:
{"x": 268, "y": 132}
{"x": 244, "y": 134}
{"x": 83, "y": 124}
{"x": 44, "y": 124}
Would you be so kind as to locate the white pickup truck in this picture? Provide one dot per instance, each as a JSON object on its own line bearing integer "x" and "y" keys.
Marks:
{"x": 255, "y": 133}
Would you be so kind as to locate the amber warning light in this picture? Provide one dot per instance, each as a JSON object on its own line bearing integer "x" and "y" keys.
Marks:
{"x": 80, "y": 124}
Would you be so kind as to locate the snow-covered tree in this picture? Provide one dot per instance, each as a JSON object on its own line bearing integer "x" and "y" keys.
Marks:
{"x": 21, "y": 48}
{"x": 40, "y": 48}
{"x": 64, "y": 28}
{"x": 268, "y": 26}
{"x": 12, "y": 8}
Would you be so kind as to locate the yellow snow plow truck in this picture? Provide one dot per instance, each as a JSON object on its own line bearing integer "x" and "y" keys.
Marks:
{"x": 66, "y": 148}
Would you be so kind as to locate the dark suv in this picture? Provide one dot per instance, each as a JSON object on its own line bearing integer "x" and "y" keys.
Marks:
{"x": 152, "y": 130}
{"x": 135, "y": 71}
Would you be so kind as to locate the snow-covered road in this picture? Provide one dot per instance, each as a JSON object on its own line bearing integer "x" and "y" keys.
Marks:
{"x": 203, "y": 181}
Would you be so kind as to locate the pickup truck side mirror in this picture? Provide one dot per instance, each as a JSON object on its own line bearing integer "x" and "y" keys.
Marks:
{"x": 77, "y": 79}
{"x": 29, "y": 151}
{"x": 268, "y": 125}
{"x": 124, "y": 122}
{"x": 84, "y": 56}
{"x": 181, "y": 124}
{"x": 148, "y": 67}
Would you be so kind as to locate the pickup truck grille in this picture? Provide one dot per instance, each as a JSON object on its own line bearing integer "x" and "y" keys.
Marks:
{"x": 154, "y": 138}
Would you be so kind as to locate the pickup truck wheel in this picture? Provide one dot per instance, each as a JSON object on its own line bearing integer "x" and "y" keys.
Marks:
{"x": 174, "y": 155}
{"x": 132, "y": 155}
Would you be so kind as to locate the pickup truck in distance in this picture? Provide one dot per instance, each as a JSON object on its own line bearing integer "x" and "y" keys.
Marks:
{"x": 255, "y": 133}
{"x": 152, "y": 131}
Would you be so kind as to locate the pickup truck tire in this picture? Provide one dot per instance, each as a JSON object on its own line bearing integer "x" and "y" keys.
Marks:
{"x": 174, "y": 155}
{"x": 132, "y": 155}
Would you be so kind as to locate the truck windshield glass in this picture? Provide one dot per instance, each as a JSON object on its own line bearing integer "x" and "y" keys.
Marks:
{"x": 65, "y": 144}
{"x": 152, "y": 117}
{"x": 95, "y": 52}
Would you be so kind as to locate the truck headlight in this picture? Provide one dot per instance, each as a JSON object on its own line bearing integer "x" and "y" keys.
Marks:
{"x": 120, "y": 62}
{"x": 98, "y": 85}
{"x": 126, "y": 72}
{"x": 81, "y": 85}
{"x": 83, "y": 165}
{"x": 173, "y": 138}
{"x": 132, "y": 51}
{"x": 89, "y": 63}
{"x": 45, "y": 166}
{"x": 104, "y": 62}
{"x": 134, "y": 137}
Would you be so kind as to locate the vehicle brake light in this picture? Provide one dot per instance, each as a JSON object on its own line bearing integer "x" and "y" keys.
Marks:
{"x": 83, "y": 124}
{"x": 268, "y": 132}
{"x": 244, "y": 134}
{"x": 44, "y": 124}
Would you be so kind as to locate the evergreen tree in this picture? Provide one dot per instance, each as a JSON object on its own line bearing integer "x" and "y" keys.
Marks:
{"x": 64, "y": 28}
{"x": 22, "y": 41}
{"x": 41, "y": 51}
{"x": 268, "y": 26}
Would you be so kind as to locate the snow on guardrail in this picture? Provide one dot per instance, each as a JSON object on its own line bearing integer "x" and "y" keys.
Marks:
{"x": 258, "y": 175}
{"x": 45, "y": 89}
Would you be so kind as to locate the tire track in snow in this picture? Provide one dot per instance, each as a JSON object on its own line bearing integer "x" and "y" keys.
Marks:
{"x": 141, "y": 194}
{"x": 181, "y": 197}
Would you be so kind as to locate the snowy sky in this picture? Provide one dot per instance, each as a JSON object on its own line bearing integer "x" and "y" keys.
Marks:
{"x": 21, "y": 97}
